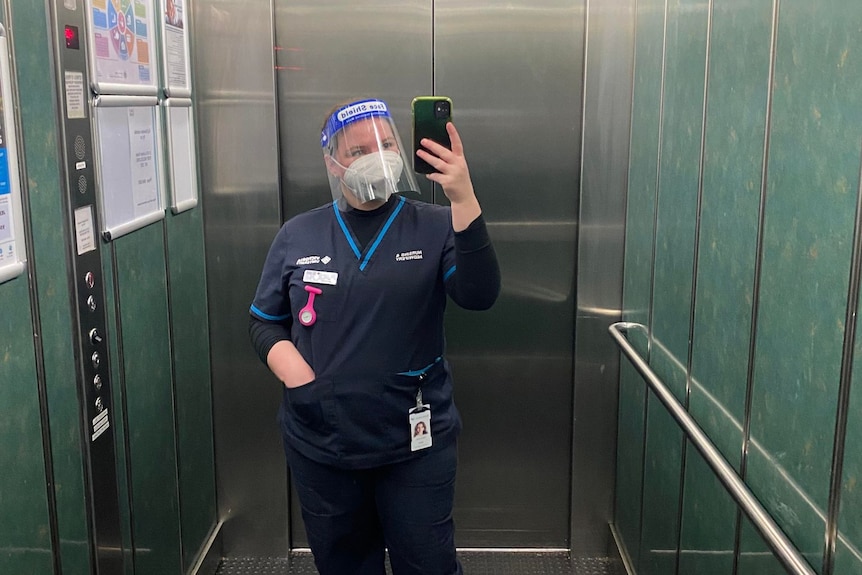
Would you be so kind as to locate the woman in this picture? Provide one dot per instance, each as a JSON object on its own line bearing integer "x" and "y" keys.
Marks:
{"x": 349, "y": 316}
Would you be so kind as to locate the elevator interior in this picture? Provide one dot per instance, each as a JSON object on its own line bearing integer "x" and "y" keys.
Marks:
{"x": 529, "y": 478}
{"x": 175, "y": 291}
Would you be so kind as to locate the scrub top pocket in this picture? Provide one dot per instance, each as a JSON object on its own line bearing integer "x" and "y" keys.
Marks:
{"x": 312, "y": 407}
{"x": 373, "y": 414}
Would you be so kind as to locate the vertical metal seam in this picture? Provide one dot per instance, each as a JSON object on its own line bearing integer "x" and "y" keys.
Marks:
{"x": 584, "y": 76}
{"x": 35, "y": 310}
{"x": 203, "y": 228}
{"x": 652, "y": 270}
{"x": 844, "y": 389}
{"x": 645, "y": 410}
{"x": 631, "y": 135}
{"x": 283, "y": 206}
{"x": 579, "y": 199}
{"x": 273, "y": 33}
{"x": 434, "y": 187}
{"x": 758, "y": 265}
{"x": 657, "y": 181}
{"x": 174, "y": 411}
{"x": 625, "y": 218}
{"x": 694, "y": 270}
{"x": 121, "y": 374}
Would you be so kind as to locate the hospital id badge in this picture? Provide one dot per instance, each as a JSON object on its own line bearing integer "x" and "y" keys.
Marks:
{"x": 420, "y": 427}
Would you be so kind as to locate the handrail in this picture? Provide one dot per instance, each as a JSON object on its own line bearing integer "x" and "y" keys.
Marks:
{"x": 780, "y": 544}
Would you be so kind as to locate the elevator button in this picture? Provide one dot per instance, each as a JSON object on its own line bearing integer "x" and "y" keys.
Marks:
{"x": 97, "y": 382}
{"x": 91, "y": 303}
{"x": 95, "y": 337}
{"x": 90, "y": 279}
{"x": 96, "y": 358}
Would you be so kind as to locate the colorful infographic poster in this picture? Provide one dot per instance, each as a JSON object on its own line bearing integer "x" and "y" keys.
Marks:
{"x": 122, "y": 42}
{"x": 7, "y": 238}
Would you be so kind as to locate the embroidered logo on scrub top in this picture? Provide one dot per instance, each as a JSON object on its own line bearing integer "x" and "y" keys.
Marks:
{"x": 406, "y": 256}
{"x": 311, "y": 260}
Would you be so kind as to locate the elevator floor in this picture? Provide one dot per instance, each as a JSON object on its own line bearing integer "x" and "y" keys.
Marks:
{"x": 474, "y": 563}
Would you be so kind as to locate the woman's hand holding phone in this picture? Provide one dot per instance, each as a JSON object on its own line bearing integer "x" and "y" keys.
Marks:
{"x": 453, "y": 176}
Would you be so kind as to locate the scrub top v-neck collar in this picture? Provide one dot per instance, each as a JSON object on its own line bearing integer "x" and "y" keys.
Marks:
{"x": 369, "y": 249}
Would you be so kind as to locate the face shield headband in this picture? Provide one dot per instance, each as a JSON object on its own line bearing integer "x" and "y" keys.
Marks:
{"x": 349, "y": 114}
{"x": 379, "y": 171}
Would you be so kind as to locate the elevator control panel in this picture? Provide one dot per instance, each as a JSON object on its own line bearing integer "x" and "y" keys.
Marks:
{"x": 94, "y": 377}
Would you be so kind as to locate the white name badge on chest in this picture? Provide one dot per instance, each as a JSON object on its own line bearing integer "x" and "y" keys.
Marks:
{"x": 319, "y": 277}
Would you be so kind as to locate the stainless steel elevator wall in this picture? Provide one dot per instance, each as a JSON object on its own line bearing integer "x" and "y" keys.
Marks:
{"x": 604, "y": 177}
{"x": 329, "y": 52}
{"x": 515, "y": 71}
{"x": 238, "y": 142}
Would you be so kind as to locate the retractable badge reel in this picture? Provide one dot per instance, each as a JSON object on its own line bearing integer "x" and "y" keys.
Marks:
{"x": 307, "y": 315}
{"x": 420, "y": 424}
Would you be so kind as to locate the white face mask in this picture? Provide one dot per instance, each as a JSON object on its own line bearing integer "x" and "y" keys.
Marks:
{"x": 374, "y": 176}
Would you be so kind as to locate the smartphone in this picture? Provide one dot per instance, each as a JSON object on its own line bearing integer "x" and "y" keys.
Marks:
{"x": 430, "y": 116}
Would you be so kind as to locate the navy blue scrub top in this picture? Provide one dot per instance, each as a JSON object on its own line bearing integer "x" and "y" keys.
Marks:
{"x": 378, "y": 336}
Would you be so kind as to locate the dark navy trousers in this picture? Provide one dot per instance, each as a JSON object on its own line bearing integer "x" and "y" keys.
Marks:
{"x": 352, "y": 516}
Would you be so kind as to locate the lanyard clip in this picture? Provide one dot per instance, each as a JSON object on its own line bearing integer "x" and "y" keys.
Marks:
{"x": 419, "y": 399}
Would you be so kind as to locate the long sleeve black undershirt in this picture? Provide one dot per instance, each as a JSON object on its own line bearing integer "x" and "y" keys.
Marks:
{"x": 475, "y": 285}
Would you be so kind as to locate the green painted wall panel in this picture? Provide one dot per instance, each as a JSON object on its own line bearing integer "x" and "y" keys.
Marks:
{"x": 685, "y": 61}
{"x": 640, "y": 218}
{"x": 662, "y": 477}
{"x": 49, "y": 243}
{"x": 708, "y": 529}
{"x": 630, "y": 451}
{"x": 117, "y": 398}
{"x": 733, "y": 164}
{"x": 146, "y": 371}
{"x": 193, "y": 390}
{"x": 25, "y": 541}
{"x": 812, "y": 188}
{"x": 640, "y": 209}
{"x": 755, "y": 558}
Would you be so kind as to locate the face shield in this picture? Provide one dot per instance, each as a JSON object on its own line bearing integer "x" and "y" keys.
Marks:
{"x": 364, "y": 157}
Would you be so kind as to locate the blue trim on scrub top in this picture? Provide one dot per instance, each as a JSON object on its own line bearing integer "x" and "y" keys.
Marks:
{"x": 376, "y": 243}
{"x": 417, "y": 372}
{"x": 382, "y": 233}
{"x": 345, "y": 231}
{"x": 262, "y": 315}
{"x": 448, "y": 273}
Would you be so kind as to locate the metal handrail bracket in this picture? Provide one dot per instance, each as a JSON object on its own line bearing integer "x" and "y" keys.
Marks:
{"x": 779, "y": 543}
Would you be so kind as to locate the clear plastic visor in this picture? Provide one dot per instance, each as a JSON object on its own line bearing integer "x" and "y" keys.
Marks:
{"x": 365, "y": 160}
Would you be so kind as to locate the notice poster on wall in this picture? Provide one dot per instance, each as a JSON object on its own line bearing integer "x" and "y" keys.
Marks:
{"x": 122, "y": 51}
{"x": 12, "y": 250}
{"x": 182, "y": 157}
{"x": 129, "y": 171}
{"x": 175, "y": 49}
